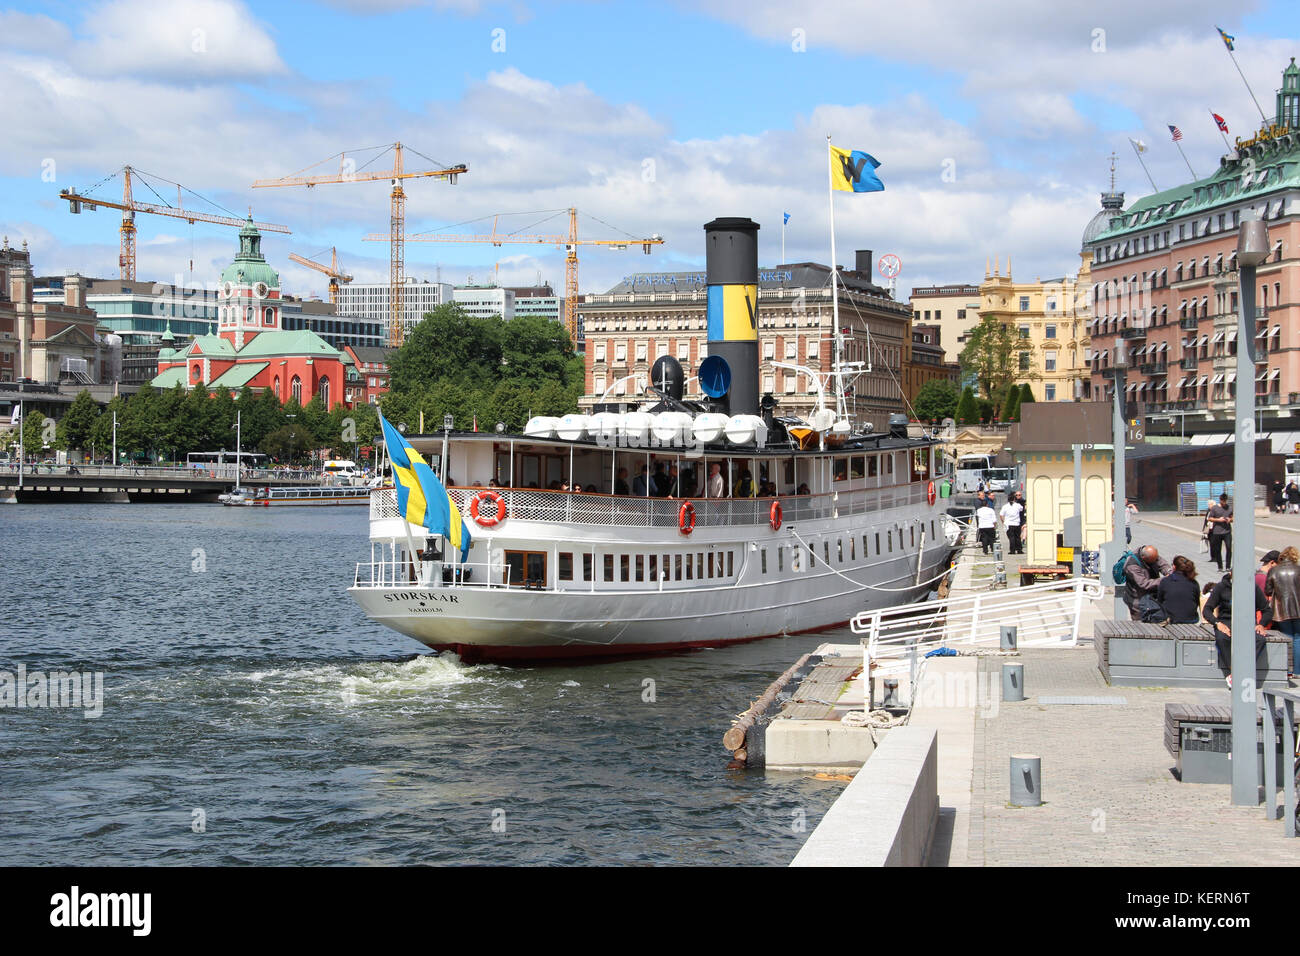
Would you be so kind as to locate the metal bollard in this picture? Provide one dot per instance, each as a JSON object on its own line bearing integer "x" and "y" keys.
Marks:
{"x": 1007, "y": 637}
{"x": 1013, "y": 681}
{"x": 891, "y": 693}
{"x": 1026, "y": 780}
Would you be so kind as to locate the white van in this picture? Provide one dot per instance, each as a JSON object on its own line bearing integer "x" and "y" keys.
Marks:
{"x": 341, "y": 471}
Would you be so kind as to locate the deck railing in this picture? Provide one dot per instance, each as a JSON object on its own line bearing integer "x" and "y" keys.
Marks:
{"x": 412, "y": 574}
{"x": 627, "y": 511}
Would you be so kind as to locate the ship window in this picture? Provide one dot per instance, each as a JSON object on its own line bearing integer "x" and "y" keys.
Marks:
{"x": 932, "y": 529}
{"x": 526, "y": 567}
{"x": 789, "y": 473}
{"x": 853, "y": 549}
{"x": 865, "y": 550}
{"x": 609, "y": 567}
{"x": 565, "y": 571}
{"x": 624, "y": 566}
{"x": 857, "y": 466}
{"x": 841, "y": 469}
{"x": 889, "y": 464}
{"x": 826, "y": 551}
{"x": 762, "y": 555}
{"x": 889, "y": 538}
{"x": 839, "y": 550}
{"x": 586, "y": 567}
{"x": 709, "y": 565}
{"x": 640, "y": 567}
{"x": 877, "y": 542}
{"x": 812, "y": 557}
{"x": 690, "y": 567}
{"x": 677, "y": 575}
{"x": 873, "y": 468}
{"x": 730, "y": 567}
{"x": 780, "y": 559}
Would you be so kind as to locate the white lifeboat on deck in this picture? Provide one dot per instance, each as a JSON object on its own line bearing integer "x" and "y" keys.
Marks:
{"x": 573, "y": 427}
{"x": 541, "y": 426}
{"x": 710, "y": 427}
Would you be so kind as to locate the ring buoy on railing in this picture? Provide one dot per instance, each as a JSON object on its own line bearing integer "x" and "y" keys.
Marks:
{"x": 485, "y": 519}
{"x": 929, "y": 492}
{"x": 774, "y": 516}
{"x": 686, "y": 517}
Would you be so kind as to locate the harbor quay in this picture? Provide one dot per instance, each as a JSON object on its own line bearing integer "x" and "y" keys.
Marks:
{"x": 938, "y": 787}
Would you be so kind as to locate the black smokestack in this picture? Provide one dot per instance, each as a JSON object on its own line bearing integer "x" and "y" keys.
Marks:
{"x": 731, "y": 268}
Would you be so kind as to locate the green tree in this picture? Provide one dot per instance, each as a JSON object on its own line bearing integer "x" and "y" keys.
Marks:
{"x": 968, "y": 411}
{"x": 101, "y": 433}
{"x": 997, "y": 355}
{"x": 1026, "y": 394}
{"x": 287, "y": 443}
{"x": 1011, "y": 405}
{"x": 78, "y": 422}
{"x": 936, "y": 400}
{"x": 33, "y": 433}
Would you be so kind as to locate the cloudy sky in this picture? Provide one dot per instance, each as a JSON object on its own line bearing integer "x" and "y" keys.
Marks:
{"x": 993, "y": 123}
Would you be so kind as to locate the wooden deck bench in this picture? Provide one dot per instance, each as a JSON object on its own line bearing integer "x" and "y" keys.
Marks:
{"x": 1030, "y": 574}
{"x": 1134, "y": 654}
{"x": 1199, "y": 738}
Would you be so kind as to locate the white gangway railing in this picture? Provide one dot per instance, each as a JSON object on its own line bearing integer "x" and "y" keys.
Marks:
{"x": 896, "y": 639}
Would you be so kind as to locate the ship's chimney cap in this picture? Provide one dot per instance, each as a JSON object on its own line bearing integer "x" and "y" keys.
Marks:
{"x": 732, "y": 223}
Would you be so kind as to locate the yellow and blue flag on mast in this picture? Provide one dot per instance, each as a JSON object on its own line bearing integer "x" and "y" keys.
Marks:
{"x": 1228, "y": 39}
{"x": 853, "y": 171}
{"x": 421, "y": 497}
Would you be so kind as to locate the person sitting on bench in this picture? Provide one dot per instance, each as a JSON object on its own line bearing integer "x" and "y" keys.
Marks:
{"x": 1218, "y": 614}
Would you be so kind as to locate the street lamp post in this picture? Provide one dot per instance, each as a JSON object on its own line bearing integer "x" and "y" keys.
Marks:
{"x": 22, "y": 420}
{"x": 1252, "y": 250}
{"x": 114, "y": 438}
{"x": 1120, "y": 368}
{"x": 239, "y": 436}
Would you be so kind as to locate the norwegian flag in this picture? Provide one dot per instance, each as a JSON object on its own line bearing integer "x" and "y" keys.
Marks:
{"x": 1176, "y": 133}
{"x": 1220, "y": 122}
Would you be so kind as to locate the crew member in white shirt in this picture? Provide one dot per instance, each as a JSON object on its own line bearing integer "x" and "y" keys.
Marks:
{"x": 986, "y": 520}
{"x": 1012, "y": 515}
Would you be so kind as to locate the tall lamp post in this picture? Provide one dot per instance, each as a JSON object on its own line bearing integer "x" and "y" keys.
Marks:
{"x": 1120, "y": 430}
{"x": 1252, "y": 250}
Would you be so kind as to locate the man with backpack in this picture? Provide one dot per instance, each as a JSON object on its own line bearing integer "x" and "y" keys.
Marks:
{"x": 1141, "y": 573}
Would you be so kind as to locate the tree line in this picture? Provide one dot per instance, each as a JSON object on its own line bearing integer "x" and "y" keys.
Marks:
{"x": 484, "y": 369}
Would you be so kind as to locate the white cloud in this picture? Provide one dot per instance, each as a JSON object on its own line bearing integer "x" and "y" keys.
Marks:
{"x": 179, "y": 39}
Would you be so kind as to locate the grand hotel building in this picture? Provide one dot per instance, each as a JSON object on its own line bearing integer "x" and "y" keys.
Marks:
{"x": 649, "y": 315}
{"x": 1166, "y": 282}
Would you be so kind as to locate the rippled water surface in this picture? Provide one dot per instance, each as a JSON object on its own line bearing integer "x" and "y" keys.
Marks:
{"x": 242, "y": 682}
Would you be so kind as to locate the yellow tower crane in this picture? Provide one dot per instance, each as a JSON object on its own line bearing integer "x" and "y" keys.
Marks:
{"x": 331, "y": 270}
{"x": 349, "y": 173}
{"x": 129, "y": 207}
{"x": 569, "y": 243}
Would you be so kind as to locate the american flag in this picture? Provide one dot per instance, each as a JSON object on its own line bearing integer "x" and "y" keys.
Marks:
{"x": 1176, "y": 133}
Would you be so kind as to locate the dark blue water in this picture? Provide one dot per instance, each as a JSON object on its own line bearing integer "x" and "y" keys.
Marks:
{"x": 241, "y": 681}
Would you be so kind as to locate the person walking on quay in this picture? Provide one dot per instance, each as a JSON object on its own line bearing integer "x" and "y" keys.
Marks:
{"x": 1265, "y": 565}
{"x": 986, "y": 520}
{"x": 1293, "y": 497}
{"x": 1013, "y": 516}
{"x": 1179, "y": 593}
{"x": 1282, "y": 588}
{"x": 1217, "y": 612}
{"x": 1142, "y": 574}
{"x": 1277, "y": 497}
{"x": 1219, "y": 526}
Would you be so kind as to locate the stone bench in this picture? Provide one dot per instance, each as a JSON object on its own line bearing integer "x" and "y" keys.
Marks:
{"x": 1208, "y": 730}
{"x": 1133, "y": 654}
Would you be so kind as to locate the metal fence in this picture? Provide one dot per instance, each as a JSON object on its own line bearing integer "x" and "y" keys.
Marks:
{"x": 621, "y": 511}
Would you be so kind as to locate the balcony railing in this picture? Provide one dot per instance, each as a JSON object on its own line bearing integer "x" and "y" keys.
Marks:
{"x": 1188, "y": 322}
{"x": 1133, "y": 332}
{"x": 1153, "y": 368}
{"x": 1188, "y": 363}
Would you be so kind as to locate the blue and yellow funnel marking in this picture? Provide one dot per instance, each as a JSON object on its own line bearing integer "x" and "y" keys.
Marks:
{"x": 733, "y": 313}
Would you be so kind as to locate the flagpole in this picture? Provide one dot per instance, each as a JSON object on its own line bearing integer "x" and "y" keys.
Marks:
{"x": 1184, "y": 155}
{"x": 1138, "y": 153}
{"x": 830, "y": 198}
{"x": 1222, "y": 136}
{"x": 782, "y": 238}
{"x": 1232, "y": 56}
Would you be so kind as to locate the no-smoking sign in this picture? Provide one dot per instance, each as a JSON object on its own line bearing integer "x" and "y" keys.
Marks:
{"x": 889, "y": 265}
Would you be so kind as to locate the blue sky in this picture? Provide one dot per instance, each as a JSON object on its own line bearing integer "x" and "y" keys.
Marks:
{"x": 993, "y": 122}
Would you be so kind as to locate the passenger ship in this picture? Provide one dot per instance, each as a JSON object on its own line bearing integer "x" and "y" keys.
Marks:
{"x": 847, "y": 522}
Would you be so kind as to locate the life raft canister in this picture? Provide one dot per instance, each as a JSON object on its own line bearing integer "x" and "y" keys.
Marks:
{"x": 686, "y": 517}
{"x": 774, "y": 516}
{"x": 487, "y": 520}
{"x": 929, "y": 492}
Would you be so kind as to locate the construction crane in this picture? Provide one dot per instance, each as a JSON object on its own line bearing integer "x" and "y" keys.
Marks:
{"x": 569, "y": 243}
{"x": 349, "y": 173}
{"x": 331, "y": 270}
{"x": 129, "y": 207}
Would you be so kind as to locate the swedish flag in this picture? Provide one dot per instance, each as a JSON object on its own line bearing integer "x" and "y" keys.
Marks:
{"x": 1228, "y": 38}
{"x": 421, "y": 497}
{"x": 853, "y": 171}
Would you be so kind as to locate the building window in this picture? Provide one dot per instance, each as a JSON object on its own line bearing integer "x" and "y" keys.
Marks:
{"x": 1049, "y": 332}
{"x": 769, "y": 383}
{"x": 1049, "y": 391}
{"x": 1024, "y": 303}
{"x": 276, "y": 388}
{"x": 598, "y": 385}
{"x": 791, "y": 346}
{"x": 268, "y": 316}
{"x": 600, "y": 352}
{"x": 961, "y": 313}
{"x": 1024, "y": 361}
{"x": 814, "y": 346}
{"x": 683, "y": 351}
{"x": 295, "y": 389}
{"x": 1024, "y": 331}
{"x": 640, "y": 351}
{"x": 769, "y": 350}
{"x": 1049, "y": 361}
{"x": 325, "y": 392}
{"x": 620, "y": 353}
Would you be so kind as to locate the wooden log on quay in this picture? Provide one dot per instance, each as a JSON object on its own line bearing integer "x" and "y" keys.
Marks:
{"x": 735, "y": 738}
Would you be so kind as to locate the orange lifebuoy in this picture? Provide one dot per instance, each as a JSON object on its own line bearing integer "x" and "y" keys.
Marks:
{"x": 487, "y": 520}
{"x": 686, "y": 517}
{"x": 929, "y": 492}
{"x": 774, "y": 516}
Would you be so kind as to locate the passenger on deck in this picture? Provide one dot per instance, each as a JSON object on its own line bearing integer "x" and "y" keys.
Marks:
{"x": 620, "y": 482}
{"x": 659, "y": 488}
{"x": 674, "y": 483}
{"x": 554, "y": 485}
{"x": 641, "y": 483}
{"x": 745, "y": 488}
{"x": 716, "y": 484}
{"x": 592, "y": 490}
{"x": 803, "y": 490}
{"x": 493, "y": 483}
